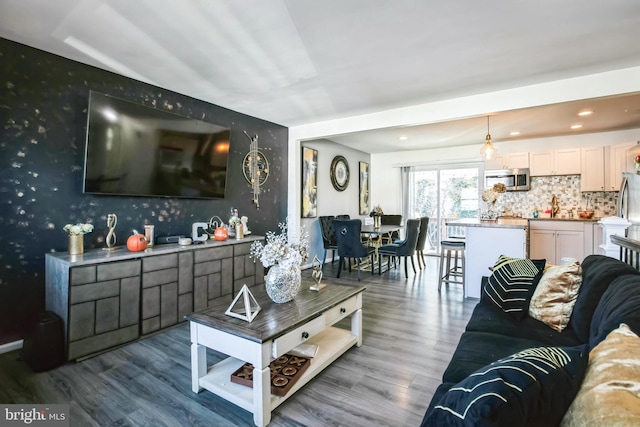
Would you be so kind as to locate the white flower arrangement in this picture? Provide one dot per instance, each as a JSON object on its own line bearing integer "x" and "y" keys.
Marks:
{"x": 491, "y": 195}
{"x": 278, "y": 249}
{"x": 235, "y": 220}
{"x": 78, "y": 229}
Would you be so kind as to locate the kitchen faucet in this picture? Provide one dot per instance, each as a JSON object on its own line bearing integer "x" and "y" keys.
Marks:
{"x": 555, "y": 208}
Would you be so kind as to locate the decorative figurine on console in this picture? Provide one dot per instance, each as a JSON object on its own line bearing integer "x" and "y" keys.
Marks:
{"x": 112, "y": 221}
{"x": 250, "y": 308}
{"x": 316, "y": 266}
{"x": 245, "y": 228}
{"x": 136, "y": 242}
{"x": 217, "y": 228}
{"x": 195, "y": 232}
{"x": 233, "y": 216}
{"x": 239, "y": 225}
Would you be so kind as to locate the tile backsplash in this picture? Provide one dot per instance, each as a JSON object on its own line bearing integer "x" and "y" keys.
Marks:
{"x": 567, "y": 191}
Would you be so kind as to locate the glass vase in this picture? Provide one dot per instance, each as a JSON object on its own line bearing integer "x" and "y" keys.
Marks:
{"x": 76, "y": 244}
{"x": 490, "y": 213}
{"x": 283, "y": 283}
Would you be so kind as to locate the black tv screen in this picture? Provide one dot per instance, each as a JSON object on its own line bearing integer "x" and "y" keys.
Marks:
{"x": 136, "y": 150}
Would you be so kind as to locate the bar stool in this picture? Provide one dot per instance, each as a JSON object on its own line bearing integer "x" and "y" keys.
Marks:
{"x": 455, "y": 273}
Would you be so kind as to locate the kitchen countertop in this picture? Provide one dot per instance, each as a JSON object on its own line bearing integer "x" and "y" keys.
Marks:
{"x": 500, "y": 223}
{"x": 510, "y": 222}
{"x": 592, "y": 219}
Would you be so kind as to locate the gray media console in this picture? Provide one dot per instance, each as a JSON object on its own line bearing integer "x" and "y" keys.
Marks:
{"x": 108, "y": 298}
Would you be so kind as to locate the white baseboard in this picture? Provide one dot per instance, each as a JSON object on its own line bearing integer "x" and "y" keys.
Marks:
{"x": 11, "y": 346}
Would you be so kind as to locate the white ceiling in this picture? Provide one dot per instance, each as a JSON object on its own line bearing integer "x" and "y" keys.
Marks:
{"x": 294, "y": 62}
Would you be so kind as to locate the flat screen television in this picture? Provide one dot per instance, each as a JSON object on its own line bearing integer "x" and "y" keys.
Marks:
{"x": 134, "y": 150}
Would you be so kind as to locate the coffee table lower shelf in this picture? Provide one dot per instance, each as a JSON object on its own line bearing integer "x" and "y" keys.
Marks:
{"x": 332, "y": 343}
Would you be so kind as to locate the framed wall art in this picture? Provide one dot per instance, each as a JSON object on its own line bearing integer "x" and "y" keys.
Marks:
{"x": 364, "y": 189}
{"x": 309, "y": 182}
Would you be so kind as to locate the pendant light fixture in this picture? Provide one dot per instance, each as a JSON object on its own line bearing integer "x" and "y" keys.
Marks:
{"x": 488, "y": 150}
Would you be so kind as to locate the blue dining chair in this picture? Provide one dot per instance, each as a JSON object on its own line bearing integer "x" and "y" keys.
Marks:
{"x": 349, "y": 244}
{"x": 402, "y": 248}
{"x": 328, "y": 233}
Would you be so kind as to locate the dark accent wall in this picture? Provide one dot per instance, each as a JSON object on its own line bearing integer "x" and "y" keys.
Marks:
{"x": 43, "y": 112}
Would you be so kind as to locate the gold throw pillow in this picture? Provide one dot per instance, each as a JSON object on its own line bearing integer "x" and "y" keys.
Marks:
{"x": 610, "y": 393}
{"x": 556, "y": 294}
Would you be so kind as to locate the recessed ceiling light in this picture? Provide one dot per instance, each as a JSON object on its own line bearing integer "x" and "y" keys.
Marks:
{"x": 585, "y": 113}
{"x": 514, "y": 133}
{"x": 403, "y": 138}
{"x": 576, "y": 126}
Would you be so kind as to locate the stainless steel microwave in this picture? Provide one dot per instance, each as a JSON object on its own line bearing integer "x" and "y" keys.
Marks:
{"x": 513, "y": 179}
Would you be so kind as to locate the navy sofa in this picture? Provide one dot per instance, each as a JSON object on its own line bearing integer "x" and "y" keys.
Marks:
{"x": 609, "y": 295}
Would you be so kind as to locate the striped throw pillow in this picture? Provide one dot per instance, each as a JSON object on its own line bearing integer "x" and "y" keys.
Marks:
{"x": 512, "y": 283}
{"x": 533, "y": 387}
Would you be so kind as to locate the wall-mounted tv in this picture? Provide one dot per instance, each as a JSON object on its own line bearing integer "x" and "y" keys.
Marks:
{"x": 134, "y": 150}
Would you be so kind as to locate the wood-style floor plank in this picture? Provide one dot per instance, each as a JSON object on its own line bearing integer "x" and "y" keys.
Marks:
{"x": 410, "y": 332}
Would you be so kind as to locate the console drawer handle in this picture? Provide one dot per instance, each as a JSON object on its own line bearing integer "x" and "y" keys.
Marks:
{"x": 305, "y": 335}
{"x": 343, "y": 310}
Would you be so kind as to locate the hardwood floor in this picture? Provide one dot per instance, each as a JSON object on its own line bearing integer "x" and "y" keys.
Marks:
{"x": 410, "y": 333}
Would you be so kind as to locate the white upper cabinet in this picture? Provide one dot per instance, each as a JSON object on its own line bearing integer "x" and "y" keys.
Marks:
{"x": 557, "y": 162}
{"x": 516, "y": 160}
{"x": 508, "y": 161}
{"x": 568, "y": 162}
{"x": 541, "y": 163}
{"x": 615, "y": 163}
{"x": 495, "y": 163}
{"x": 592, "y": 163}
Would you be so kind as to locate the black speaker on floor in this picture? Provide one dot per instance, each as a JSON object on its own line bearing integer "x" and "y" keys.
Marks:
{"x": 43, "y": 347}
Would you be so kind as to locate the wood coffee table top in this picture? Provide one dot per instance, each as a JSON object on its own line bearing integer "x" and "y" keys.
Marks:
{"x": 274, "y": 319}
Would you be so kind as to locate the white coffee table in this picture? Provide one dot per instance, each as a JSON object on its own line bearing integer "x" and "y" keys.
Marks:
{"x": 277, "y": 329}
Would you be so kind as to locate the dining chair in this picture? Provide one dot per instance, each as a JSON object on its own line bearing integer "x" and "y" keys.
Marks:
{"x": 329, "y": 241}
{"x": 391, "y": 220}
{"x": 422, "y": 240}
{"x": 349, "y": 244}
{"x": 402, "y": 248}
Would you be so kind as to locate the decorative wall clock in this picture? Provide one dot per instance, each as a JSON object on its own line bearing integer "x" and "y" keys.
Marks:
{"x": 255, "y": 168}
{"x": 339, "y": 173}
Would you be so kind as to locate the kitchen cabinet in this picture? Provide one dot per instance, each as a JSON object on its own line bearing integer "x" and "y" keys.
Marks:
{"x": 516, "y": 160}
{"x": 554, "y": 240}
{"x": 592, "y": 238}
{"x": 556, "y": 162}
{"x": 592, "y": 169}
{"x": 615, "y": 164}
{"x": 495, "y": 163}
{"x": 508, "y": 161}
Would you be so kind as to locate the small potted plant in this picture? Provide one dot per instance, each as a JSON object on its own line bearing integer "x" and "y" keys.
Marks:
{"x": 76, "y": 237}
{"x": 376, "y": 214}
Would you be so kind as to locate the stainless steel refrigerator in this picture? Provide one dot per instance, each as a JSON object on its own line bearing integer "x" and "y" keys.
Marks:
{"x": 629, "y": 198}
{"x": 629, "y": 195}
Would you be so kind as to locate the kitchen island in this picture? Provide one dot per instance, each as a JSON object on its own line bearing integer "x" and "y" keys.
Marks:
{"x": 485, "y": 242}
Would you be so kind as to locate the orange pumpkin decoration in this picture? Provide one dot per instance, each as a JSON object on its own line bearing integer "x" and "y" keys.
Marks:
{"x": 136, "y": 243}
{"x": 221, "y": 233}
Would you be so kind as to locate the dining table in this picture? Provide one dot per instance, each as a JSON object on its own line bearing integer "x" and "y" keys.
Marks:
{"x": 376, "y": 236}
{"x": 377, "y": 233}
